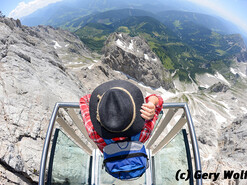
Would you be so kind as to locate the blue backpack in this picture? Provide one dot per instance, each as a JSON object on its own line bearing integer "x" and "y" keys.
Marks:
{"x": 125, "y": 159}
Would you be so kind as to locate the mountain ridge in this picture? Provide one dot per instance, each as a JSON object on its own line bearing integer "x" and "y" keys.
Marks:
{"x": 183, "y": 46}
{"x": 81, "y": 9}
{"x": 213, "y": 23}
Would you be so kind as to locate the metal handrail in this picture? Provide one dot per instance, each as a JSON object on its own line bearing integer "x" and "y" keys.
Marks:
{"x": 76, "y": 105}
{"x": 48, "y": 138}
{"x": 194, "y": 143}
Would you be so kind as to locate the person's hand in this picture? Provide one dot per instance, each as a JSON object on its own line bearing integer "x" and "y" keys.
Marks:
{"x": 148, "y": 110}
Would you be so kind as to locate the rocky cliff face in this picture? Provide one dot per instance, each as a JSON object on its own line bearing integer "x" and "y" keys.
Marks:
{"x": 218, "y": 87}
{"x": 32, "y": 80}
{"x": 231, "y": 147}
{"x": 218, "y": 113}
{"x": 133, "y": 56}
{"x": 40, "y": 66}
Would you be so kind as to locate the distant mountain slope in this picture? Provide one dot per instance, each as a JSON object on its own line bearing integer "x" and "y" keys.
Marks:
{"x": 60, "y": 13}
{"x": 107, "y": 17}
{"x": 94, "y": 34}
{"x": 187, "y": 43}
{"x": 172, "y": 18}
{"x": 54, "y": 14}
{"x": 182, "y": 46}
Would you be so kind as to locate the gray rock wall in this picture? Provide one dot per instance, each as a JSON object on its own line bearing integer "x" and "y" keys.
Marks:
{"x": 32, "y": 80}
{"x": 133, "y": 56}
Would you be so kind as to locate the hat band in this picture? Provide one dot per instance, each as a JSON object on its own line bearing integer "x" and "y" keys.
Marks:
{"x": 134, "y": 109}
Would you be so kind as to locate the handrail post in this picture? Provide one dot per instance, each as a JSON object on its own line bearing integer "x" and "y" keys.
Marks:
{"x": 48, "y": 138}
{"x": 46, "y": 145}
{"x": 194, "y": 143}
{"x": 195, "y": 147}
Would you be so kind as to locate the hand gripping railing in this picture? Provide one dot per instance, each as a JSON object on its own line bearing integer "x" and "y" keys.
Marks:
{"x": 173, "y": 107}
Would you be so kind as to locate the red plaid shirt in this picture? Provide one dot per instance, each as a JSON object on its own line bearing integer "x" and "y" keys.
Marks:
{"x": 145, "y": 133}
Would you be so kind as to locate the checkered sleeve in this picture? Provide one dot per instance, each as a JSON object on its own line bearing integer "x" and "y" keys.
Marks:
{"x": 84, "y": 106}
{"x": 149, "y": 124}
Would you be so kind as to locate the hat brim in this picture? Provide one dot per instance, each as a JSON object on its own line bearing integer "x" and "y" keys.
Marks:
{"x": 138, "y": 98}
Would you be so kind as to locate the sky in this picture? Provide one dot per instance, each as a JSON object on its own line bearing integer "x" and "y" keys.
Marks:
{"x": 231, "y": 10}
{"x": 20, "y": 8}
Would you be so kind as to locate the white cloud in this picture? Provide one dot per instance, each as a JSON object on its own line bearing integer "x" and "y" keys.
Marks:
{"x": 24, "y": 9}
{"x": 225, "y": 13}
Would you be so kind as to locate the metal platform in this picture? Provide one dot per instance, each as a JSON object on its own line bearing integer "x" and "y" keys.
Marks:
{"x": 75, "y": 159}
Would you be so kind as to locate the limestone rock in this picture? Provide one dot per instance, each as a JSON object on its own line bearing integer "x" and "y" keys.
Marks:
{"x": 32, "y": 79}
{"x": 218, "y": 87}
{"x": 133, "y": 56}
{"x": 233, "y": 140}
{"x": 97, "y": 74}
{"x": 232, "y": 143}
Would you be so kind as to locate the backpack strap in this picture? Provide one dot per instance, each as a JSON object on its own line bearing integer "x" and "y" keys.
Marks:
{"x": 132, "y": 138}
{"x": 108, "y": 141}
{"x": 136, "y": 137}
{"x": 121, "y": 157}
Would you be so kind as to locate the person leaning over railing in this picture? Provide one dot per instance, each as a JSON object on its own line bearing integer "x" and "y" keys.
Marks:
{"x": 116, "y": 110}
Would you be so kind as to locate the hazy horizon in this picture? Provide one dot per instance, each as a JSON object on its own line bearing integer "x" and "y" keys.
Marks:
{"x": 230, "y": 10}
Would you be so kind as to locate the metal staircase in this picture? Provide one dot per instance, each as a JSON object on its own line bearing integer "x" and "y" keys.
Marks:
{"x": 75, "y": 159}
